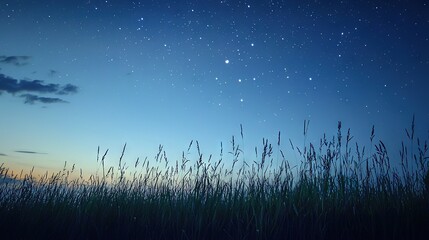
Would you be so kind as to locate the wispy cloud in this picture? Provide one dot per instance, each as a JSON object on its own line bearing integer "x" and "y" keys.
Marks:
{"x": 14, "y": 60}
{"x": 31, "y": 99}
{"x": 13, "y": 86}
{"x": 28, "y": 152}
{"x": 52, "y": 73}
{"x": 67, "y": 89}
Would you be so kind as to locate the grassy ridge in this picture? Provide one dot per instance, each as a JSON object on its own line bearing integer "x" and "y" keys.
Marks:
{"x": 336, "y": 193}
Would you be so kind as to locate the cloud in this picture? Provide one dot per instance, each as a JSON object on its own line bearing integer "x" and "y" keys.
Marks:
{"x": 14, "y": 60}
{"x": 52, "y": 73}
{"x": 2, "y": 154}
{"x": 31, "y": 99}
{"x": 29, "y": 152}
{"x": 13, "y": 86}
{"x": 67, "y": 89}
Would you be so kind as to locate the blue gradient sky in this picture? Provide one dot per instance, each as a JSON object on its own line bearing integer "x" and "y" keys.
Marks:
{"x": 168, "y": 72}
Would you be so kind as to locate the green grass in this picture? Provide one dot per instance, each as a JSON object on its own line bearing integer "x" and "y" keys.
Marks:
{"x": 337, "y": 192}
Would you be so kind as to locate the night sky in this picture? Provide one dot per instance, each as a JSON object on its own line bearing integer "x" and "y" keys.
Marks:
{"x": 75, "y": 75}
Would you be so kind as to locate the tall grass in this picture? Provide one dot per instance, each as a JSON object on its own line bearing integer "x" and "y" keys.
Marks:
{"x": 339, "y": 191}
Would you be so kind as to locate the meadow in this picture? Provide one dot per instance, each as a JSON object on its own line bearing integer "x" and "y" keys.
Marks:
{"x": 338, "y": 191}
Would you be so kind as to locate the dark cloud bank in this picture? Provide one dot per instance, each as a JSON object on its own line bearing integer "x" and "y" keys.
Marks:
{"x": 14, "y": 60}
{"x": 29, "y": 89}
{"x": 32, "y": 87}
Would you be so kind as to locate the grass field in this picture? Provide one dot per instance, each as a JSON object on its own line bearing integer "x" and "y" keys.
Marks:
{"x": 339, "y": 191}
